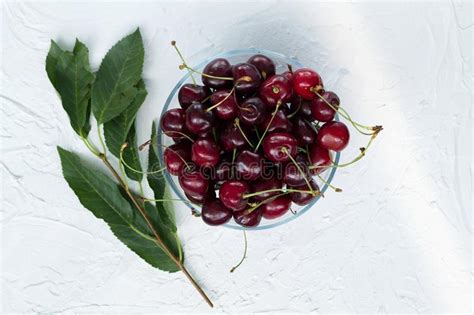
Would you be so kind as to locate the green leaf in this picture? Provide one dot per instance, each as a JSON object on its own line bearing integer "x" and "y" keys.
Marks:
{"x": 70, "y": 74}
{"x": 52, "y": 60}
{"x": 131, "y": 157}
{"x": 118, "y": 74}
{"x": 158, "y": 184}
{"x": 117, "y": 129}
{"x": 102, "y": 196}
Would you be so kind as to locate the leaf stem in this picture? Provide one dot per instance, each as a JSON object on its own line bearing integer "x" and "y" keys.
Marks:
{"x": 101, "y": 140}
{"x": 159, "y": 241}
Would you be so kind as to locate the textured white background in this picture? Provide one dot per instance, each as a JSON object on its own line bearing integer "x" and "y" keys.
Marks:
{"x": 398, "y": 239}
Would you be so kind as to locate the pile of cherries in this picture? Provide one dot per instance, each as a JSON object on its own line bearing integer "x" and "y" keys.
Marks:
{"x": 255, "y": 137}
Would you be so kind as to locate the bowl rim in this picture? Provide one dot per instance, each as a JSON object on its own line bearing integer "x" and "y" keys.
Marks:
{"x": 169, "y": 180}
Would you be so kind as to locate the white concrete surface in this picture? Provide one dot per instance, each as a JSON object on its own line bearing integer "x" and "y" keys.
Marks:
{"x": 398, "y": 239}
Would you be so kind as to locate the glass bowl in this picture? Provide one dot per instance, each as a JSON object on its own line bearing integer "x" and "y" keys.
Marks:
{"x": 235, "y": 56}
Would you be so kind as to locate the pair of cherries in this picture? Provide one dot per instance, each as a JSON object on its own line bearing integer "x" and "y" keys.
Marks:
{"x": 254, "y": 136}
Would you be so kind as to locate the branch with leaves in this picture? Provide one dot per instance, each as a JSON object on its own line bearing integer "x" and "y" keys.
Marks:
{"x": 114, "y": 95}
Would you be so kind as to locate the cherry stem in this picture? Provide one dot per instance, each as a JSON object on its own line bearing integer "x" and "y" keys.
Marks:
{"x": 285, "y": 150}
{"x": 296, "y": 111}
{"x": 122, "y": 149}
{"x": 237, "y": 124}
{"x": 244, "y": 78}
{"x": 345, "y": 114}
{"x": 336, "y": 189}
{"x": 268, "y": 125}
{"x": 244, "y": 256}
{"x": 173, "y": 43}
{"x": 185, "y": 66}
{"x": 285, "y": 190}
{"x": 290, "y": 67}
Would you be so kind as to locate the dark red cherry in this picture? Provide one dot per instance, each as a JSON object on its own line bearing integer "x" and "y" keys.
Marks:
{"x": 249, "y": 165}
{"x": 264, "y": 184}
{"x": 192, "y": 93}
{"x": 252, "y": 112}
{"x": 320, "y": 157}
{"x": 193, "y": 182}
{"x": 199, "y": 199}
{"x": 274, "y": 144}
{"x": 276, "y": 207}
{"x": 304, "y": 80}
{"x": 289, "y": 76}
{"x": 303, "y": 198}
{"x": 173, "y": 123}
{"x": 198, "y": 119}
{"x": 249, "y": 84}
{"x": 333, "y": 135}
{"x": 205, "y": 152}
{"x": 231, "y": 138}
{"x": 279, "y": 123}
{"x": 248, "y": 218}
{"x": 275, "y": 89}
{"x": 231, "y": 194}
{"x": 264, "y": 64}
{"x": 223, "y": 171}
{"x": 304, "y": 133}
{"x": 215, "y": 213}
{"x": 175, "y": 157}
{"x": 322, "y": 111}
{"x": 301, "y": 107}
{"x": 219, "y": 67}
{"x": 227, "y": 109}
{"x": 295, "y": 175}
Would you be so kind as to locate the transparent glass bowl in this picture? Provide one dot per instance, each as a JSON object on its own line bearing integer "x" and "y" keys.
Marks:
{"x": 235, "y": 56}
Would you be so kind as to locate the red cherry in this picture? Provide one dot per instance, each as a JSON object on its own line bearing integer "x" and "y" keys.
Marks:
{"x": 198, "y": 119}
{"x": 227, "y": 109}
{"x": 252, "y": 112}
{"x": 296, "y": 175}
{"x": 231, "y": 194}
{"x": 279, "y": 123}
{"x": 276, "y": 208}
{"x": 231, "y": 138}
{"x": 333, "y": 135}
{"x": 246, "y": 87}
{"x": 173, "y": 123}
{"x": 249, "y": 165}
{"x": 319, "y": 156}
{"x": 304, "y": 133}
{"x": 264, "y": 64}
{"x": 205, "y": 152}
{"x": 322, "y": 111}
{"x": 275, "y": 143}
{"x": 193, "y": 182}
{"x": 191, "y": 93}
{"x": 304, "y": 80}
{"x": 275, "y": 89}
{"x": 248, "y": 218}
{"x": 199, "y": 199}
{"x": 289, "y": 76}
{"x": 175, "y": 157}
{"x": 219, "y": 67}
{"x": 215, "y": 213}
{"x": 303, "y": 198}
{"x": 264, "y": 185}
